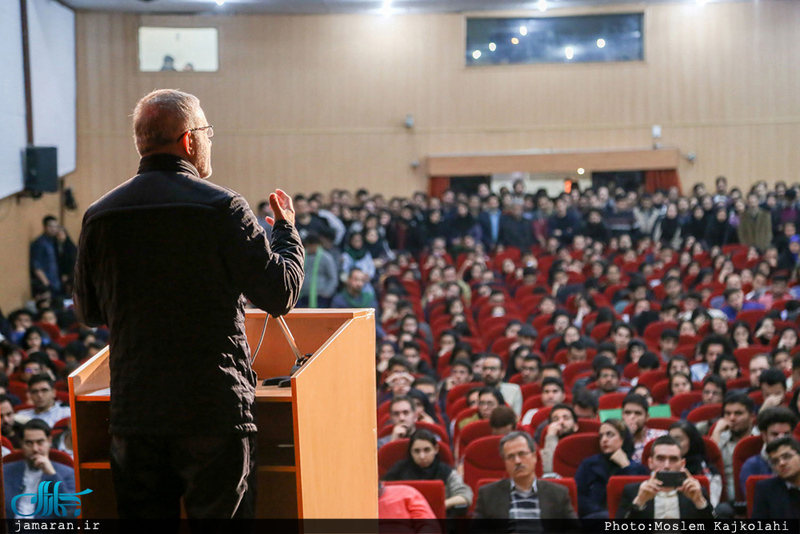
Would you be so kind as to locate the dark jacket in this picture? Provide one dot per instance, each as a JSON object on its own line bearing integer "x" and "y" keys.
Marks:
{"x": 592, "y": 478}
{"x": 494, "y": 500}
{"x": 627, "y": 510}
{"x": 773, "y": 500}
{"x": 516, "y": 232}
{"x": 166, "y": 260}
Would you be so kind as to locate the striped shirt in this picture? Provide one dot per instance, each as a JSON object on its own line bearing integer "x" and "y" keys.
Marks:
{"x": 525, "y": 513}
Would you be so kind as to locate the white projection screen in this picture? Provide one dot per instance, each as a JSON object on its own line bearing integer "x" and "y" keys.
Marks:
{"x": 51, "y": 38}
{"x": 12, "y": 103}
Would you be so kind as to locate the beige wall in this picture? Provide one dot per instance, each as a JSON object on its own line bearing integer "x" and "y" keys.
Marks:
{"x": 314, "y": 102}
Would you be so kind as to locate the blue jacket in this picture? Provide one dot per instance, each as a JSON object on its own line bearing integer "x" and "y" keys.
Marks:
{"x": 592, "y": 478}
{"x": 755, "y": 465}
{"x": 13, "y": 484}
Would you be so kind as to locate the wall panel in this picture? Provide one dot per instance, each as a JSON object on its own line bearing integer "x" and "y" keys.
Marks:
{"x": 313, "y": 102}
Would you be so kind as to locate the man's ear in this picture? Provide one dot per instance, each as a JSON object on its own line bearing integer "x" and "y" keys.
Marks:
{"x": 187, "y": 144}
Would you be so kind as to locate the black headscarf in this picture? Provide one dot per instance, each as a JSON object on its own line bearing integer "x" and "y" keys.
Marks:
{"x": 407, "y": 469}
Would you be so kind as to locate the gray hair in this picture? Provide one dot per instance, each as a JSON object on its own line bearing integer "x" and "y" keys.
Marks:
{"x": 161, "y": 116}
{"x": 514, "y": 435}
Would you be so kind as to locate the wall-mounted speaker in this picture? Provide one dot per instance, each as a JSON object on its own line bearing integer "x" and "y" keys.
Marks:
{"x": 41, "y": 169}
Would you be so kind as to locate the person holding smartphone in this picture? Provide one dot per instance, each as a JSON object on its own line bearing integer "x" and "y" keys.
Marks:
{"x": 671, "y": 492}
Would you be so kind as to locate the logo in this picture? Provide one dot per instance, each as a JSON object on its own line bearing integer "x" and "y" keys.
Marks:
{"x": 49, "y": 502}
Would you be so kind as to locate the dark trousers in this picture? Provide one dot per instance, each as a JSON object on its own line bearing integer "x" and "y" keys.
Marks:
{"x": 215, "y": 476}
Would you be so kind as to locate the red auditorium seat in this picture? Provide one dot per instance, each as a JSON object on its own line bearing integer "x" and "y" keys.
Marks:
{"x": 432, "y": 490}
{"x": 611, "y": 401}
{"x": 471, "y": 432}
{"x": 661, "y": 423}
{"x": 572, "y": 450}
{"x": 705, "y": 412}
{"x": 679, "y": 403}
{"x": 747, "y": 447}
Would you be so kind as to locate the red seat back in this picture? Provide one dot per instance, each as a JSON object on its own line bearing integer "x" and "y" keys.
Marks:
{"x": 747, "y": 447}
{"x": 529, "y": 390}
{"x": 611, "y": 401}
{"x": 572, "y": 450}
{"x": 679, "y": 403}
{"x": 705, "y": 412}
{"x": 432, "y": 490}
{"x": 661, "y": 423}
{"x": 650, "y": 378}
{"x": 471, "y": 432}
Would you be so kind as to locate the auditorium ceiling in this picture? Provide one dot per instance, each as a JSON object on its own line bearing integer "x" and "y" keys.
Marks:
{"x": 320, "y": 7}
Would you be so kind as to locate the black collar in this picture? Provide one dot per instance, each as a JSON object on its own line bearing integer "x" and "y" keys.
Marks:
{"x": 166, "y": 162}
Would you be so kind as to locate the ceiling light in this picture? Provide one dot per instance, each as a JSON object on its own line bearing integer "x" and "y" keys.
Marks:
{"x": 601, "y": 43}
{"x": 386, "y": 8}
{"x": 476, "y": 54}
{"x": 523, "y": 30}
{"x": 569, "y": 52}
{"x": 581, "y": 171}
{"x": 514, "y": 40}
{"x": 220, "y": 2}
{"x": 492, "y": 47}
{"x": 542, "y": 5}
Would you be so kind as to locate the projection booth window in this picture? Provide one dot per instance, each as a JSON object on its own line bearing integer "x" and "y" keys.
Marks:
{"x": 574, "y": 39}
{"x": 178, "y": 49}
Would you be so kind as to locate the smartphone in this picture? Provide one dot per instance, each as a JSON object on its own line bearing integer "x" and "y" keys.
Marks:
{"x": 671, "y": 479}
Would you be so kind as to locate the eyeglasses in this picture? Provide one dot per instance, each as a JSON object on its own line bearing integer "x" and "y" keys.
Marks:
{"x": 521, "y": 455}
{"x": 778, "y": 459}
{"x": 210, "y": 131}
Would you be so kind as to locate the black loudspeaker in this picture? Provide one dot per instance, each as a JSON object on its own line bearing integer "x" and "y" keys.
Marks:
{"x": 41, "y": 169}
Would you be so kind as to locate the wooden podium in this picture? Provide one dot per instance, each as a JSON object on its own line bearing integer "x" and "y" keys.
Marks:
{"x": 317, "y": 439}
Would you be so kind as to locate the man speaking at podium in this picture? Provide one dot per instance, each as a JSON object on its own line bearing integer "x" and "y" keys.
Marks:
{"x": 166, "y": 260}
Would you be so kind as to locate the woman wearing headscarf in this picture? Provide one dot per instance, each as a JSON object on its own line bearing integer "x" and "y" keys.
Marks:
{"x": 668, "y": 229}
{"x": 356, "y": 255}
{"x": 423, "y": 463}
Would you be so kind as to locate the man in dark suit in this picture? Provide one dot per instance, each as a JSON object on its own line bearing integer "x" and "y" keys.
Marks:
{"x": 653, "y": 500}
{"x": 779, "y": 497}
{"x": 23, "y": 477}
{"x": 522, "y": 498}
